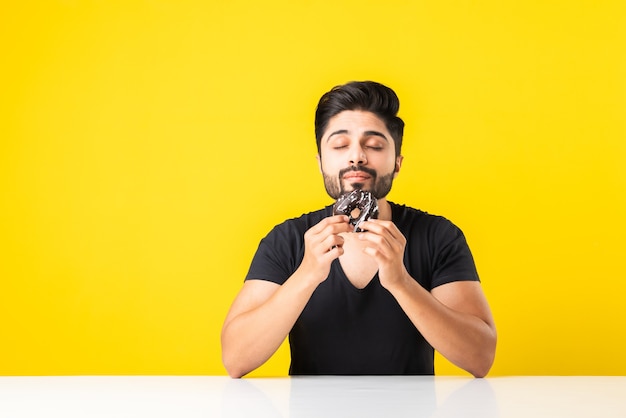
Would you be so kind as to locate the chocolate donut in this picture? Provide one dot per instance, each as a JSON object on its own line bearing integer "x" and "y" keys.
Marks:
{"x": 365, "y": 202}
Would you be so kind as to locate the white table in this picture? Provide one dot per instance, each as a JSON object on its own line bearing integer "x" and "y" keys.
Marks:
{"x": 319, "y": 397}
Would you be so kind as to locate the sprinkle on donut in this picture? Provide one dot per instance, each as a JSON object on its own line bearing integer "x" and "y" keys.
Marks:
{"x": 358, "y": 205}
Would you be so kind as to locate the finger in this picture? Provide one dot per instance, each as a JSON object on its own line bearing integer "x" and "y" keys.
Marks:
{"x": 382, "y": 227}
{"x": 376, "y": 234}
{"x": 330, "y": 249}
{"x": 336, "y": 219}
{"x": 320, "y": 231}
{"x": 336, "y": 228}
{"x": 333, "y": 253}
{"x": 378, "y": 243}
{"x": 331, "y": 242}
{"x": 372, "y": 226}
{"x": 331, "y": 220}
{"x": 383, "y": 245}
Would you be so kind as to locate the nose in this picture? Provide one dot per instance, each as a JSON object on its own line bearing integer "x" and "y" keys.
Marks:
{"x": 357, "y": 155}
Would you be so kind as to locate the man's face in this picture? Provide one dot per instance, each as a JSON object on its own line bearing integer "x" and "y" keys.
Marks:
{"x": 358, "y": 152}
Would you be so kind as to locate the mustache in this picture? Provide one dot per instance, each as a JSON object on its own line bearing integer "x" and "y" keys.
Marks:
{"x": 367, "y": 170}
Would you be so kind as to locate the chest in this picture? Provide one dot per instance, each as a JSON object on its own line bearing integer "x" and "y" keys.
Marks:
{"x": 359, "y": 267}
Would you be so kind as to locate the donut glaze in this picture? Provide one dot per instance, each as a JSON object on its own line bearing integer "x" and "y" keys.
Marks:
{"x": 364, "y": 201}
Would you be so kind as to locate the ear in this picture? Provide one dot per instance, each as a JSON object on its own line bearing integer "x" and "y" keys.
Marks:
{"x": 319, "y": 162}
{"x": 396, "y": 170}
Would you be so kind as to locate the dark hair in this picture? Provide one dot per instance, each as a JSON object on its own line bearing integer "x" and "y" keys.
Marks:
{"x": 361, "y": 95}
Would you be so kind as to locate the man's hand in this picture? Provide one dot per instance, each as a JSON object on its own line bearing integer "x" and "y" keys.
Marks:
{"x": 323, "y": 244}
{"x": 385, "y": 243}
{"x": 454, "y": 318}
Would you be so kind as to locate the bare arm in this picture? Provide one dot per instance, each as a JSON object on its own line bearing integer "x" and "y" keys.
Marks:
{"x": 259, "y": 320}
{"x": 264, "y": 312}
{"x": 454, "y": 318}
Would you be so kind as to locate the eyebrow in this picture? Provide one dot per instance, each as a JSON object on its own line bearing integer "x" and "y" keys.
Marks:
{"x": 366, "y": 133}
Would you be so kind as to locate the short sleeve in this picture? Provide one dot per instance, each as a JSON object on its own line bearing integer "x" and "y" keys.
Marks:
{"x": 280, "y": 253}
{"x": 453, "y": 260}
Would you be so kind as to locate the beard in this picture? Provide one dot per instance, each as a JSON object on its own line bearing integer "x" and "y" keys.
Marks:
{"x": 335, "y": 186}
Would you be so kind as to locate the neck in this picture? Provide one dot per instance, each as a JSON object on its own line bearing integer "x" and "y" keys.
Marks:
{"x": 384, "y": 210}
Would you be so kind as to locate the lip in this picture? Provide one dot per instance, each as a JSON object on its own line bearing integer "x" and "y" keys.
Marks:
{"x": 356, "y": 175}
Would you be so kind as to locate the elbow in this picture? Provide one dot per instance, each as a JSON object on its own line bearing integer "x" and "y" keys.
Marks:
{"x": 239, "y": 358}
{"x": 233, "y": 363}
{"x": 233, "y": 369}
{"x": 235, "y": 374}
{"x": 230, "y": 360}
{"x": 485, "y": 360}
{"x": 482, "y": 366}
{"x": 481, "y": 371}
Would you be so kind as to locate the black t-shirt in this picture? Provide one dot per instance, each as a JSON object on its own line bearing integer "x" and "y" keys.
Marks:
{"x": 346, "y": 330}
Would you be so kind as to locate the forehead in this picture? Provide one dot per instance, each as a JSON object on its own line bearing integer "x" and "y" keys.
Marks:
{"x": 355, "y": 122}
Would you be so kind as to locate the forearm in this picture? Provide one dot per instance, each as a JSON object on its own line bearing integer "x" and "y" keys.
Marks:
{"x": 465, "y": 339}
{"x": 250, "y": 338}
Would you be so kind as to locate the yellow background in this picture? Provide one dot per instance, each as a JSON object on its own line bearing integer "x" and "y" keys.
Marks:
{"x": 147, "y": 146}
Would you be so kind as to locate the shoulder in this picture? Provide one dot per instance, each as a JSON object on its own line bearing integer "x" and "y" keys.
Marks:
{"x": 432, "y": 233}
{"x": 437, "y": 248}
{"x": 411, "y": 220}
